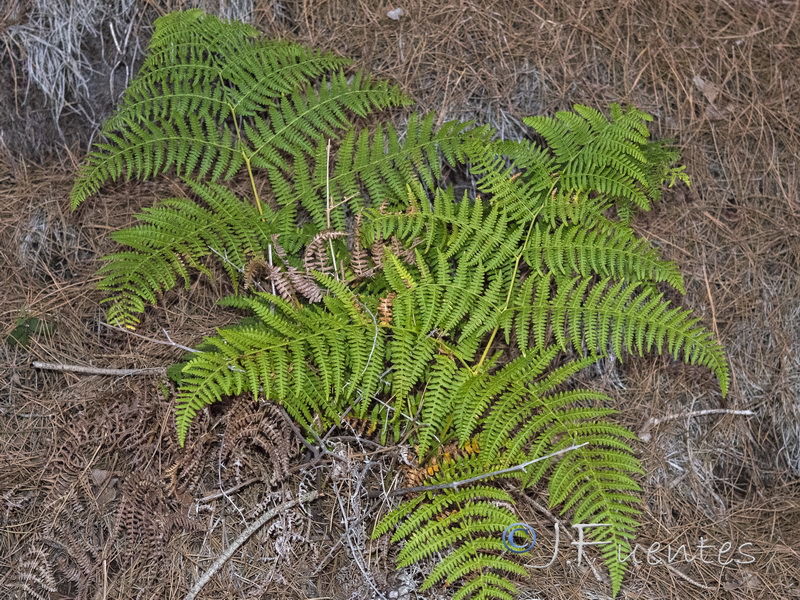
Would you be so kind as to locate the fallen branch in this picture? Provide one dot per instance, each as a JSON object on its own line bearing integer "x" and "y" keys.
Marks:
{"x": 644, "y": 434}
{"x": 98, "y": 370}
{"x": 221, "y": 493}
{"x": 455, "y": 484}
{"x": 245, "y": 535}
{"x": 169, "y": 341}
{"x": 683, "y": 575}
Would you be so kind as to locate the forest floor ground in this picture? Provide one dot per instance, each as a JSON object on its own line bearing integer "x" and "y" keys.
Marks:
{"x": 97, "y": 500}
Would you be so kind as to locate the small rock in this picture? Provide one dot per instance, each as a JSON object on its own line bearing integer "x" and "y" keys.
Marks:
{"x": 396, "y": 14}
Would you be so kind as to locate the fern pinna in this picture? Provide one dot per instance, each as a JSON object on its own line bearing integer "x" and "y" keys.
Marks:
{"x": 374, "y": 290}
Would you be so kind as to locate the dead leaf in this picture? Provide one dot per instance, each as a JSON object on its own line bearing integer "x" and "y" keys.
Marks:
{"x": 714, "y": 114}
{"x": 729, "y": 586}
{"x": 99, "y": 476}
{"x": 109, "y": 494}
{"x": 396, "y": 14}
{"x": 708, "y": 89}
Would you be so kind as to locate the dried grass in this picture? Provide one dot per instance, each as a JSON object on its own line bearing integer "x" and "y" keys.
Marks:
{"x": 721, "y": 78}
{"x": 66, "y": 64}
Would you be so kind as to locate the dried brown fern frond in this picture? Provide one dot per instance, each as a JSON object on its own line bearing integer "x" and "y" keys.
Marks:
{"x": 316, "y": 256}
{"x": 78, "y": 556}
{"x": 303, "y": 283}
{"x": 13, "y": 500}
{"x": 33, "y": 576}
{"x": 360, "y": 427}
{"x": 258, "y": 272}
{"x": 68, "y": 478}
{"x": 359, "y": 259}
{"x": 185, "y": 473}
{"x": 385, "y": 309}
{"x": 282, "y": 282}
{"x": 253, "y": 427}
{"x": 286, "y": 280}
{"x": 255, "y": 272}
{"x": 279, "y": 250}
{"x": 142, "y": 515}
{"x": 379, "y": 249}
{"x": 399, "y": 250}
{"x": 133, "y": 424}
{"x": 89, "y": 436}
{"x": 418, "y": 472}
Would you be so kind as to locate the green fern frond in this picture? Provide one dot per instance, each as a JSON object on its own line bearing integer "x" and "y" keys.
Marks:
{"x": 611, "y": 251}
{"x": 452, "y": 305}
{"x": 596, "y": 482}
{"x": 177, "y": 235}
{"x": 516, "y": 176}
{"x": 398, "y": 275}
{"x": 504, "y": 383}
{"x": 415, "y": 331}
{"x": 466, "y": 524}
{"x": 594, "y": 479}
{"x": 441, "y": 503}
{"x": 378, "y": 169}
{"x": 305, "y": 358}
{"x": 200, "y": 79}
{"x": 576, "y": 208}
{"x": 299, "y": 122}
{"x": 143, "y": 150}
{"x": 468, "y": 231}
{"x": 181, "y": 70}
{"x": 439, "y": 401}
{"x": 523, "y": 180}
{"x": 516, "y": 420}
{"x": 445, "y": 312}
{"x": 611, "y": 156}
{"x": 411, "y": 353}
{"x": 272, "y": 69}
{"x": 621, "y": 316}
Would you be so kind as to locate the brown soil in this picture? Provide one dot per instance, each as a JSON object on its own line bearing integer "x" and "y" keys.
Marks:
{"x": 97, "y": 501}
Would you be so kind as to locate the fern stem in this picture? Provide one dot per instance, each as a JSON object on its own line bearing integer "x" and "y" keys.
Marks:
{"x": 253, "y": 184}
{"x": 508, "y": 295}
{"x": 477, "y": 367}
{"x": 247, "y": 164}
{"x": 505, "y": 307}
{"x": 328, "y": 204}
{"x": 269, "y": 260}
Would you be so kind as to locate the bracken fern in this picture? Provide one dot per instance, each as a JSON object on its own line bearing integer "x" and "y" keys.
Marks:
{"x": 375, "y": 290}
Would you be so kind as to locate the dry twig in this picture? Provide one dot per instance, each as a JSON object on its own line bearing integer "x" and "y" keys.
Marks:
{"x": 455, "y": 484}
{"x": 245, "y": 535}
{"x": 644, "y": 433}
{"x": 98, "y": 370}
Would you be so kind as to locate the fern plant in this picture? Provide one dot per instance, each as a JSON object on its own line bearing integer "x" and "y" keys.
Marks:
{"x": 374, "y": 290}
